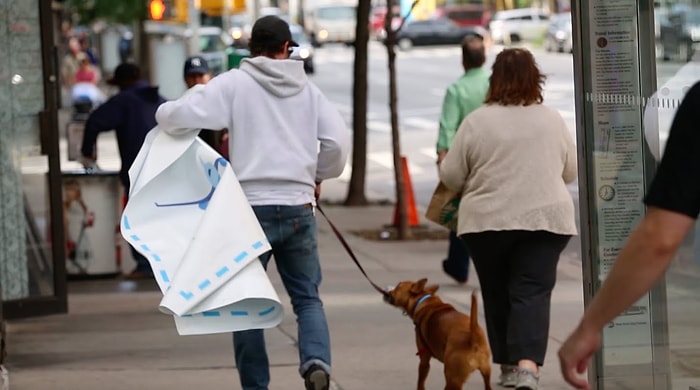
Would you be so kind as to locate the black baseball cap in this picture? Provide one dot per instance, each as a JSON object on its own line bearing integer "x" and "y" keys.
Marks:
{"x": 126, "y": 73}
{"x": 271, "y": 28}
{"x": 196, "y": 65}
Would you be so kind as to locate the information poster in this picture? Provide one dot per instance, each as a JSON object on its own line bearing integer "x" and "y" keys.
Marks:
{"x": 618, "y": 164}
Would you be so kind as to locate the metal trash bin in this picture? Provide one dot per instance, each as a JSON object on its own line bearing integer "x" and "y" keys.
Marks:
{"x": 91, "y": 210}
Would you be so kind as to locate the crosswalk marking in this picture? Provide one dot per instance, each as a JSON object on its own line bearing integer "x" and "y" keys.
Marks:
{"x": 437, "y": 92}
{"x": 430, "y": 152}
{"x": 378, "y": 51}
{"x": 421, "y": 123}
{"x": 379, "y": 126}
{"x": 386, "y": 159}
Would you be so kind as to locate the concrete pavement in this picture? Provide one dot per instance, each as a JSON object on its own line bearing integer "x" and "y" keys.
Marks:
{"x": 113, "y": 336}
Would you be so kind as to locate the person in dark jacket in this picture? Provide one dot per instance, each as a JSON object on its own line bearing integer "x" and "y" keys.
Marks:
{"x": 131, "y": 113}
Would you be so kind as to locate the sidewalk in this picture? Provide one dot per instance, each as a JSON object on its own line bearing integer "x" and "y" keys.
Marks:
{"x": 113, "y": 336}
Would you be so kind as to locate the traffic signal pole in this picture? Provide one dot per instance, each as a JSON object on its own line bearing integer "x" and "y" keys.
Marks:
{"x": 193, "y": 26}
{"x": 253, "y": 9}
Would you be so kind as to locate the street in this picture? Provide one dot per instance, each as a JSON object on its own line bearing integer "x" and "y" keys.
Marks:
{"x": 423, "y": 75}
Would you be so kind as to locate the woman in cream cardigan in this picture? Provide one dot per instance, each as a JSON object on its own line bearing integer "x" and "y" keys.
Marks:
{"x": 511, "y": 159}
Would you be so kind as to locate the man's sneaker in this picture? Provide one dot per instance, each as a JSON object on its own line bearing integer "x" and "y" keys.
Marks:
{"x": 316, "y": 378}
{"x": 527, "y": 380}
{"x": 509, "y": 376}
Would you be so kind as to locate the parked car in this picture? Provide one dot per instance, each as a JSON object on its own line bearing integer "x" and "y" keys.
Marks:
{"x": 376, "y": 21}
{"x": 466, "y": 15}
{"x": 515, "y": 25}
{"x": 559, "y": 37}
{"x": 213, "y": 42}
{"x": 441, "y": 31}
{"x": 679, "y": 33}
{"x": 305, "y": 50}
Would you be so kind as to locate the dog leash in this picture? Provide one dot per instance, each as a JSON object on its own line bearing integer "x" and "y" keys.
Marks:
{"x": 350, "y": 252}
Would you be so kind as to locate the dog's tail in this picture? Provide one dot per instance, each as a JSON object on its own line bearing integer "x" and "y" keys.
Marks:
{"x": 473, "y": 315}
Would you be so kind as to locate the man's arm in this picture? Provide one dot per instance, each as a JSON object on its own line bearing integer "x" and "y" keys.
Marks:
{"x": 106, "y": 117}
{"x": 334, "y": 137}
{"x": 673, "y": 204}
{"x": 202, "y": 107}
{"x": 450, "y": 119}
{"x": 643, "y": 260}
{"x": 641, "y": 263}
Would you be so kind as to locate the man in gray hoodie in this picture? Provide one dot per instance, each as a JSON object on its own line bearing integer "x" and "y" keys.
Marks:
{"x": 285, "y": 139}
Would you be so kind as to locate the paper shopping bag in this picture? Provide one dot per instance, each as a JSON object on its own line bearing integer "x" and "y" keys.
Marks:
{"x": 444, "y": 207}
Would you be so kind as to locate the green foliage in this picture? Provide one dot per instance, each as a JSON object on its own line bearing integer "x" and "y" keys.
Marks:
{"x": 121, "y": 11}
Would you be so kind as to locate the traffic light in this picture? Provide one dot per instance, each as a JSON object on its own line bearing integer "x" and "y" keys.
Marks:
{"x": 168, "y": 10}
{"x": 156, "y": 9}
{"x": 238, "y": 6}
{"x": 180, "y": 11}
{"x": 216, "y": 7}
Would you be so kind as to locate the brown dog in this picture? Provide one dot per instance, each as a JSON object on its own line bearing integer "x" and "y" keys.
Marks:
{"x": 442, "y": 332}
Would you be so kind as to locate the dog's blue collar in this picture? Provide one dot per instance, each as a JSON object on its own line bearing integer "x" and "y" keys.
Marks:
{"x": 420, "y": 300}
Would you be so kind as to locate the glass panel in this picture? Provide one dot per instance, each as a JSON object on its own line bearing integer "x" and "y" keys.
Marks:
{"x": 616, "y": 76}
{"x": 25, "y": 250}
{"x": 677, "y": 32}
{"x": 617, "y": 162}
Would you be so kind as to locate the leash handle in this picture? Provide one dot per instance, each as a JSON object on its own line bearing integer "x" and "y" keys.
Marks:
{"x": 350, "y": 251}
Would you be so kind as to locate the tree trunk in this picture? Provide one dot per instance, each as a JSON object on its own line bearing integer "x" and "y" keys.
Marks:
{"x": 356, "y": 190}
{"x": 403, "y": 230}
{"x": 144, "y": 53}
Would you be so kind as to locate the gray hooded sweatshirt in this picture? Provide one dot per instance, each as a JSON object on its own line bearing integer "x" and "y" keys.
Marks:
{"x": 284, "y": 135}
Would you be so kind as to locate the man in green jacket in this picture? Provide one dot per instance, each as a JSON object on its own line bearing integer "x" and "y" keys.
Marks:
{"x": 463, "y": 96}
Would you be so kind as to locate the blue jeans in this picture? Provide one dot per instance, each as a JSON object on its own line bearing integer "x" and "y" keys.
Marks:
{"x": 291, "y": 231}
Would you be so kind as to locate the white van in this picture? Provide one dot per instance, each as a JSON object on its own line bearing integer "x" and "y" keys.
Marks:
{"x": 515, "y": 25}
{"x": 331, "y": 23}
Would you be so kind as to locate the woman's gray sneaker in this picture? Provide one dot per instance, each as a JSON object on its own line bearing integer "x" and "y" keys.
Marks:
{"x": 509, "y": 376}
{"x": 527, "y": 380}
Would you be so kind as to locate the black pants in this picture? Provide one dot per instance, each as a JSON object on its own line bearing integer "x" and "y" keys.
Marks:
{"x": 517, "y": 271}
{"x": 457, "y": 262}
{"x": 142, "y": 264}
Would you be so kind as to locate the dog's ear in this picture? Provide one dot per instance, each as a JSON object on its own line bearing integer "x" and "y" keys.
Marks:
{"x": 419, "y": 286}
{"x": 432, "y": 288}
